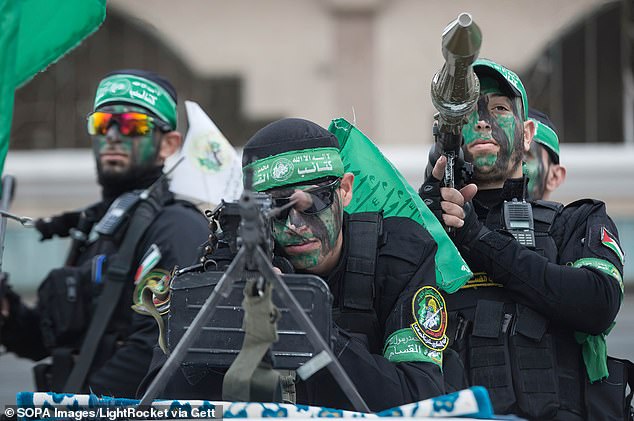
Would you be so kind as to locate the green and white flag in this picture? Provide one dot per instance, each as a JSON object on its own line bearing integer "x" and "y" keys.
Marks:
{"x": 211, "y": 169}
{"x": 33, "y": 35}
{"x": 378, "y": 185}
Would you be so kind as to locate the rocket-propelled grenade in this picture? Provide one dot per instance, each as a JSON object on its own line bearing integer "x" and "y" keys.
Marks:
{"x": 455, "y": 88}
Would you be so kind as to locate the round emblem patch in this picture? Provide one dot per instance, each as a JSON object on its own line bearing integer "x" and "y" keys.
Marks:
{"x": 430, "y": 315}
{"x": 117, "y": 86}
{"x": 282, "y": 169}
{"x": 207, "y": 154}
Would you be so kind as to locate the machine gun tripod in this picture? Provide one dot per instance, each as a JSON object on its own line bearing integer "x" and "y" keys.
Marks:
{"x": 252, "y": 262}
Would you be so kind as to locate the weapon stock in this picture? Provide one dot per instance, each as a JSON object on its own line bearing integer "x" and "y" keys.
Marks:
{"x": 455, "y": 89}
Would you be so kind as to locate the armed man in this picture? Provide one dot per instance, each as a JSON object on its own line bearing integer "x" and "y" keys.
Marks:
{"x": 136, "y": 234}
{"x": 531, "y": 325}
{"x": 544, "y": 171}
{"x": 372, "y": 309}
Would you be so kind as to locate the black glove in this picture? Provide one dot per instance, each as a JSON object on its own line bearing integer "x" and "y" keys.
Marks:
{"x": 58, "y": 225}
{"x": 430, "y": 193}
{"x": 3, "y": 292}
{"x": 432, "y": 157}
{"x": 471, "y": 230}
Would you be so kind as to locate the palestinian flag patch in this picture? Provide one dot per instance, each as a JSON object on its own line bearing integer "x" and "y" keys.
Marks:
{"x": 430, "y": 315}
{"x": 608, "y": 240}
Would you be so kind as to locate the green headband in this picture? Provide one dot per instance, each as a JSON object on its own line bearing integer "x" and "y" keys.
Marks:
{"x": 295, "y": 167}
{"x": 546, "y": 136}
{"x": 509, "y": 77}
{"x": 139, "y": 91}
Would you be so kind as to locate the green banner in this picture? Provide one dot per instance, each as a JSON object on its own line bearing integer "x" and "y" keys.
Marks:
{"x": 380, "y": 186}
{"x": 9, "y": 24}
{"x": 33, "y": 35}
{"x": 50, "y": 29}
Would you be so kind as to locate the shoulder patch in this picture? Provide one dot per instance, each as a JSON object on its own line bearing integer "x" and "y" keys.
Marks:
{"x": 430, "y": 318}
{"x": 608, "y": 240}
{"x": 404, "y": 346}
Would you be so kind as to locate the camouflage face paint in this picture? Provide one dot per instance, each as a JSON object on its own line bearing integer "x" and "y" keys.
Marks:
{"x": 139, "y": 151}
{"x": 504, "y": 127}
{"x": 142, "y": 150}
{"x": 300, "y": 229}
{"x": 537, "y": 167}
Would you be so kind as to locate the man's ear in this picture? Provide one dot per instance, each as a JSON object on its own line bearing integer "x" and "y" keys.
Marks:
{"x": 556, "y": 177}
{"x": 170, "y": 143}
{"x": 347, "y": 180}
{"x": 529, "y": 132}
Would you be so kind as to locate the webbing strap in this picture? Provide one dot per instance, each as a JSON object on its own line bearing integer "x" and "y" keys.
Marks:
{"x": 118, "y": 272}
{"x": 249, "y": 379}
{"x": 364, "y": 230}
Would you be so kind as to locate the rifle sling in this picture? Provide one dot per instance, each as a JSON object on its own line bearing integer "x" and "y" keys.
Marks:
{"x": 117, "y": 274}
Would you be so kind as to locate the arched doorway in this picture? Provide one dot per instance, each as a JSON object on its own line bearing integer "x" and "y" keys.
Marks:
{"x": 50, "y": 110}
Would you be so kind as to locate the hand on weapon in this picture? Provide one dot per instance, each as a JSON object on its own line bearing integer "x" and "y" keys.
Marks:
{"x": 447, "y": 203}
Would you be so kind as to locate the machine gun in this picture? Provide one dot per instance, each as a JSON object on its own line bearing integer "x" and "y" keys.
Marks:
{"x": 251, "y": 265}
{"x": 454, "y": 93}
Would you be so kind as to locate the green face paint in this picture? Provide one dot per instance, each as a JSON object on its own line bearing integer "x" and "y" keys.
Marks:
{"x": 508, "y": 125}
{"x": 307, "y": 240}
{"x": 117, "y": 154}
{"x": 485, "y": 160}
{"x": 145, "y": 150}
{"x": 537, "y": 167}
{"x": 495, "y": 122}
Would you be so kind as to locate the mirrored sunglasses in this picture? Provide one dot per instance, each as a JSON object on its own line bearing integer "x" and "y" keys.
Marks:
{"x": 129, "y": 124}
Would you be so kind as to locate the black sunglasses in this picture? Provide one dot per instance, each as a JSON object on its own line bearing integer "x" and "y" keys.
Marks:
{"x": 322, "y": 197}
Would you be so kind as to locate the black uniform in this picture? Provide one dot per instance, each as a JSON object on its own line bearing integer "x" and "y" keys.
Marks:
{"x": 404, "y": 264}
{"x": 517, "y": 323}
{"x": 124, "y": 353}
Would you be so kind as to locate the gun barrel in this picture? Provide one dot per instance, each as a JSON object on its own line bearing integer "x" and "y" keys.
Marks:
{"x": 455, "y": 88}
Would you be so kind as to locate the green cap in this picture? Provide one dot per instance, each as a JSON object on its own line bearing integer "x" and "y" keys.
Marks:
{"x": 509, "y": 80}
{"x": 546, "y": 136}
{"x": 137, "y": 90}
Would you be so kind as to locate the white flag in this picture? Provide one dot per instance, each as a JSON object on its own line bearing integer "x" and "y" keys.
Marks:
{"x": 211, "y": 170}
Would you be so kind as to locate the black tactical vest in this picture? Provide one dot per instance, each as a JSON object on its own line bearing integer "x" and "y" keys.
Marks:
{"x": 355, "y": 312}
{"x": 530, "y": 366}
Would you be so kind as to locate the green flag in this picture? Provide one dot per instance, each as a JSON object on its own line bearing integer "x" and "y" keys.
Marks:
{"x": 379, "y": 186}
{"x": 33, "y": 35}
{"x": 9, "y": 23}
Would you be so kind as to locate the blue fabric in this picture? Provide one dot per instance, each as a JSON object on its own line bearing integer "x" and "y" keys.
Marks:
{"x": 471, "y": 403}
